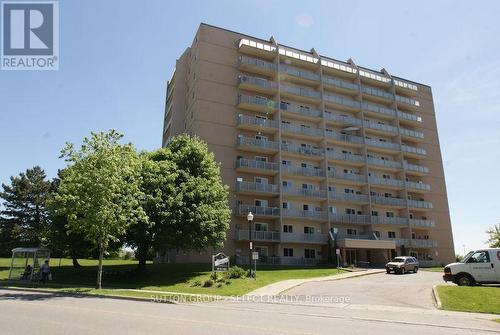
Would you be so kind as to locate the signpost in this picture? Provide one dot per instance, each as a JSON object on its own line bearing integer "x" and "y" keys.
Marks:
{"x": 337, "y": 252}
{"x": 220, "y": 262}
{"x": 255, "y": 257}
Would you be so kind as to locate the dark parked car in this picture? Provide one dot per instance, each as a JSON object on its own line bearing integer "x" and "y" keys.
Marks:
{"x": 402, "y": 264}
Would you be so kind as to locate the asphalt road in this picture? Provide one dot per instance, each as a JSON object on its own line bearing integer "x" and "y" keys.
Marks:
{"x": 43, "y": 313}
{"x": 408, "y": 290}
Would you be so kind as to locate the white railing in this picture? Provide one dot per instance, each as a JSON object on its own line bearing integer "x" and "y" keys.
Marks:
{"x": 258, "y": 235}
{"x": 300, "y": 110}
{"x": 313, "y": 214}
{"x": 245, "y": 119}
{"x": 258, "y": 63}
{"x": 257, "y": 210}
{"x": 256, "y": 187}
{"x": 304, "y": 192}
{"x": 302, "y": 171}
{"x": 351, "y": 197}
{"x": 254, "y": 164}
{"x": 254, "y": 142}
{"x": 252, "y": 100}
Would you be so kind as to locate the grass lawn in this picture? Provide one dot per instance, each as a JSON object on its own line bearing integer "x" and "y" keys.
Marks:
{"x": 480, "y": 299}
{"x": 120, "y": 274}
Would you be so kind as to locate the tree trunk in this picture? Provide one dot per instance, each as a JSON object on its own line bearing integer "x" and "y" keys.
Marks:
{"x": 75, "y": 263}
{"x": 142, "y": 255}
{"x": 99, "y": 269}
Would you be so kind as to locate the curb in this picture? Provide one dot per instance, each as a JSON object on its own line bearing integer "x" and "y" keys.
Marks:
{"x": 435, "y": 295}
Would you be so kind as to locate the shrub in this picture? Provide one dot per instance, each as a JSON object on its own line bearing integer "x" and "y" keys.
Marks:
{"x": 213, "y": 276}
{"x": 235, "y": 272}
{"x": 196, "y": 283}
{"x": 208, "y": 283}
{"x": 218, "y": 285}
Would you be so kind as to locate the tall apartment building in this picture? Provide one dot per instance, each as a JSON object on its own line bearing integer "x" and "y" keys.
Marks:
{"x": 326, "y": 154}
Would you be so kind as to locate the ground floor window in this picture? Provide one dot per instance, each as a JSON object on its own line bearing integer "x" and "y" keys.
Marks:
{"x": 309, "y": 253}
{"x": 263, "y": 251}
{"x": 288, "y": 252}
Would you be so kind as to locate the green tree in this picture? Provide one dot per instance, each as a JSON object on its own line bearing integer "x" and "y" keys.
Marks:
{"x": 23, "y": 220}
{"x": 494, "y": 236}
{"x": 99, "y": 191}
{"x": 198, "y": 215}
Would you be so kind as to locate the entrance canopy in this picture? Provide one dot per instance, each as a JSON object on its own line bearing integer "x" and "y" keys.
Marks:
{"x": 26, "y": 262}
{"x": 365, "y": 244}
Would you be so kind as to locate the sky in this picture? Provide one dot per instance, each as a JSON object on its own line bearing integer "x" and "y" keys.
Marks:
{"x": 116, "y": 58}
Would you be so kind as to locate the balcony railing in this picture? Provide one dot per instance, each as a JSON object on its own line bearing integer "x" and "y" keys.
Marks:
{"x": 379, "y": 126}
{"x": 384, "y": 162}
{"x": 344, "y": 156}
{"x": 340, "y": 100}
{"x": 421, "y": 243}
{"x": 419, "y": 204}
{"x": 302, "y": 130}
{"x": 388, "y": 201}
{"x": 256, "y": 187}
{"x": 304, "y": 238}
{"x": 258, "y": 63}
{"x": 258, "y": 82}
{"x": 388, "y": 220}
{"x": 382, "y": 144}
{"x": 351, "y": 197}
{"x": 347, "y": 176}
{"x": 295, "y": 213}
{"x": 260, "y": 143}
{"x": 356, "y": 237}
{"x": 350, "y": 218}
{"x": 247, "y": 99}
{"x": 287, "y": 261}
{"x": 377, "y": 92}
{"x": 409, "y": 117}
{"x": 301, "y": 91}
{"x": 310, "y": 112}
{"x": 302, "y": 171}
{"x": 416, "y": 168}
{"x": 304, "y": 192}
{"x": 344, "y": 137}
{"x": 307, "y": 151}
{"x": 400, "y": 241}
{"x": 378, "y": 109}
{"x": 411, "y": 133}
{"x": 271, "y": 236}
{"x": 422, "y": 223}
{"x": 254, "y": 164}
{"x": 257, "y": 45}
{"x": 386, "y": 181}
{"x": 245, "y": 119}
{"x": 257, "y": 210}
{"x": 293, "y": 71}
{"x": 340, "y": 83}
{"x": 418, "y": 186}
{"x": 407, "y": 101}
{"x": 343, "y": 119}
{"x": 414, "y": 150}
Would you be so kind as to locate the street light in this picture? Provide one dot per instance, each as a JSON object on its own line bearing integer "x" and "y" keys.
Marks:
{"x": 250, "y": 219}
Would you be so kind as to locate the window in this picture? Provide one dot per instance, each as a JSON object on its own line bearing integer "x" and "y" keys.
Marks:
{"x": 261, "y": 117}
{"x": 350, "y": 211}
{"x": 260, "y": 180}
{"x": 479, "y": 257}
{"x": 332, "y": 209}
{"x": 374, "y": 213}
{"x": 288, "y": 252}
{"x": 261, "y": 203}
{"x": 288, "y": 228}
{"x": 389, "y": 214}
{"x": 348, "y": 190}
{"x": 352, "y": 231}
{"x": 261, "y": 159}
{"x": 285, "y": 162}
{"x": 261, "y": 138}
{"x": 331, "y": 188}
{"x": 377, "y": 233}
{"x": 307, "y": 207}
{"x": 391, "y": 234}
{"x": 262, "y": 251}
{"x": 286, "y": 183}
{"x": 286, "y": 205}
{"x": 260, "y": 226}
{"x": 386, "y": 176}
{"x": 308, "y": 230}
{"x": 309, "y": 253}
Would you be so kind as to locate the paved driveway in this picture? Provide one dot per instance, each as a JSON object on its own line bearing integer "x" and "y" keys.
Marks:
{"x": 408, "y": 290}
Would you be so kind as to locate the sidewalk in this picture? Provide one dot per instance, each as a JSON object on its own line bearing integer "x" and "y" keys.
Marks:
{"x": 282, "y": 286}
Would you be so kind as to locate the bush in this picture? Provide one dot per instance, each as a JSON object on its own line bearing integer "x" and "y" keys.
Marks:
{"x": 235, "y": 272}
{"x": 208, "y": 283}
{"x": 213, "y": 276}
{"x": 218, "y": 285}
{"x": 196, "y": 283}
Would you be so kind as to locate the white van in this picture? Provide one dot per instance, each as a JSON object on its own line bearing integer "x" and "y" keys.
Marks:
{"x": 480, "y": 266}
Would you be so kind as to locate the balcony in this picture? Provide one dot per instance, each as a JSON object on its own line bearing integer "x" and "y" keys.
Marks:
{"x": 340, "y": 67}
{"x": 413, "y": 151}
{"x": 345, "y": 157}
{"x": 257, "y": 124}
{"x": 249, "y": 165}
{"x": 267, "y": 236}
{"x": 422, "y": 223}
{"x": 301, "y": 130}
{"x": 304, "y": 238}
{"x": 418, "y": 186}
{"x": 405, "y": 85}
{"x": 412, "y": 134}
{"x": 420, "y": 204}
{"x": 301, "y": 214}
{"x": 344, "y": 138}
{"x": 343, "y": 85}
{"x": 257, "y": 84}
{"x": 378, "y": 110}
{"x": 256, "y": 188}
{"x": 409, "y": 117}
{"x": 380, "y": 200}
{"x": 376, "y": 77}
{"x": 302, "y": 93}
{"x": 302, "y": 75}
{"x": 350, "y": 218}
{"x": 302, "y": 150}
{"x": 384, "y": 163}
{"x": 357, "y": 178}
{"x": 345, "y": 120}
{"x": 389, "y": 221}
{"x": 412, "y": 103}
{"x": 257, "y": 104}
{"x": 424, "y": 244}
{"x": 257, "y": 211}
{"x": 303, "y": 171}
{"x": 255, "y": 65}
{"x": 304, "y": 112}
{"x": 416, "y": 168}
{"x": 258, "y": 48}
{"x": 396, "y": 183}
{"x": 348, "y": 197}
{"x": 342, "y": 101}
{"x": 304, "y": 193}
{"x": 387, "y": 146}
{"x": 379, "y": 94}
{"x": 400, "y": 241}
{"x": 380, "y": 127}
{"x": 257, "y": 145}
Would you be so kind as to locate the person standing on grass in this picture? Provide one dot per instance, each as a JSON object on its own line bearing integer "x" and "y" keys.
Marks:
{"x": 45, "y": 270}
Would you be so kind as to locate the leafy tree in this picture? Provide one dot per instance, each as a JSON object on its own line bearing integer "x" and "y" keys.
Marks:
{"x": 494, "y": 236}
{"x": 23, "y": 221}
{"x": 198, "y": 214}
{"x": 99, "y": 191}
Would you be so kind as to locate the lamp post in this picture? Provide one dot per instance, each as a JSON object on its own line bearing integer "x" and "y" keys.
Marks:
{"x": 250, "y": 219}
